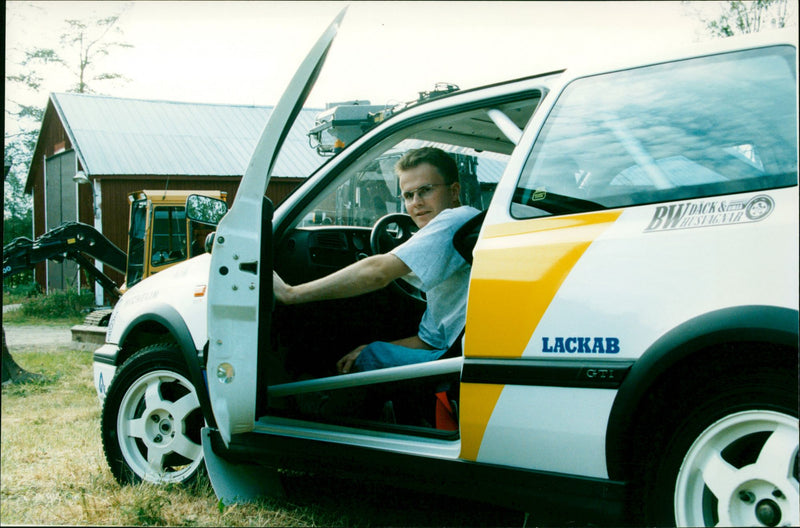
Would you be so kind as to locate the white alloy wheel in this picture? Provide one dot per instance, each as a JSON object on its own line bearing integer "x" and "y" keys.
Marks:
{"x": 741, "y": 471}
{"x": 151, "y": 427}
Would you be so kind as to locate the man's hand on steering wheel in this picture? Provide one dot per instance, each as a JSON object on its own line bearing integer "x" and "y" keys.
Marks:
{"x": 389, "y": 232}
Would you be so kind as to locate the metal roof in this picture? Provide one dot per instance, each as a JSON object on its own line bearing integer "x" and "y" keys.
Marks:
{"x": 115, "y": 136}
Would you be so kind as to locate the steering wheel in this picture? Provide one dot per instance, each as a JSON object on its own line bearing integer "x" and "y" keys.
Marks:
{"x": 389, "y": 232}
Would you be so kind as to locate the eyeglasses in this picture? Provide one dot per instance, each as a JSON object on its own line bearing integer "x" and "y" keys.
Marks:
{"x": 423, "y": 191}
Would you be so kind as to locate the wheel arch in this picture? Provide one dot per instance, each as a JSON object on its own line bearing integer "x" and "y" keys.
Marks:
{"x": 692, "y": 345}
{"x": 142, "y": 332}
{"x": 163, "y": 323}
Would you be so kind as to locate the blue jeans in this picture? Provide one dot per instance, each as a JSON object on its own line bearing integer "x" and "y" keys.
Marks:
{"x": 380, "y": 355}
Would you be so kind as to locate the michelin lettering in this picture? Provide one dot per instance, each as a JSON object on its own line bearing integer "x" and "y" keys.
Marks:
{"x": 580, "y": 345}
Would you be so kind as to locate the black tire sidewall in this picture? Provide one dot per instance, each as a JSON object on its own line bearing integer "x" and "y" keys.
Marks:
{"x": 148, "y": 359}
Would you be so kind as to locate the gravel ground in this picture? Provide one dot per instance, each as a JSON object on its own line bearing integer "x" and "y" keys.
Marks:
{"x": 27, "y": 335}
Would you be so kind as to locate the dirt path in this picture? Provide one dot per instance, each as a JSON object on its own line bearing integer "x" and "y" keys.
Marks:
{"x": 37, "y": 335}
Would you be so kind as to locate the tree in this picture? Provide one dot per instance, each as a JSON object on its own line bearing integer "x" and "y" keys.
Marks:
{"x": 82, "y": 44}
{"x": 737, "y": 17}
{"x": 20, "y": 143}
{"x": 92, "y": 40}
{"x": 16, "y": 206}
{"x": 13, "y": 373}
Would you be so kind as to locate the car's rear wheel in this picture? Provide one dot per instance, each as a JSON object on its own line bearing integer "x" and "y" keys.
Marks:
{"x": 151, "y": 419}
{"x": 741, "y": 471}
{"x": 727, "y": 455}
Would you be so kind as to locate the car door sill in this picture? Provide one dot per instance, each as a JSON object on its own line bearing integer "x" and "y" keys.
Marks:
{"x": 447, "y": 444}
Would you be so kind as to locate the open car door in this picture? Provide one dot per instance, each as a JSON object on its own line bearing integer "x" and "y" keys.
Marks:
{"x": 240, "y": 279}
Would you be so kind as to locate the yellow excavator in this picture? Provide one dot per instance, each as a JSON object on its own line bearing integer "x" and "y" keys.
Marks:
{"x": 164, "y": 228}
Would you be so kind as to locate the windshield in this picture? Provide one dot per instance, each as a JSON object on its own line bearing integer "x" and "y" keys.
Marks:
{"x": 169, "y": 235}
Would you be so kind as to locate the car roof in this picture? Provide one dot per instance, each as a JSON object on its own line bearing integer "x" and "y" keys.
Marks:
{"x": 591, "y": 64}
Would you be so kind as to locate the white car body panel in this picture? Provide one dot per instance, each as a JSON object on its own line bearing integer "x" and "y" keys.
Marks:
{"x": 181, "y": 287}
{"x": 647, "y": 263}
{"x": 398, "y": 443}
{"x": 550, "y": 429}
{"x": 103, "y": 373}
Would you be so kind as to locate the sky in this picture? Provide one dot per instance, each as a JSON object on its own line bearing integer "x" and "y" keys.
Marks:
{"x": 246, "y": 52}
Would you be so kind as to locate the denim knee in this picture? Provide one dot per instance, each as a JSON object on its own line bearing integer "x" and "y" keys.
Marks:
{"x": 379, "y": 354}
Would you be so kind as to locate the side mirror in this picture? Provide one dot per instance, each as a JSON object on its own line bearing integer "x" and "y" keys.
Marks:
{"x": 205, "y": 210}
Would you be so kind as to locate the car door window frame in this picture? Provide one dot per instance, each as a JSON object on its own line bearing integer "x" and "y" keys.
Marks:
{"x": 385, "y": 138}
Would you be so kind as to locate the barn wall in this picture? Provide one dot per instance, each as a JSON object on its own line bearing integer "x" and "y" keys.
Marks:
{"x": 54, "y": 142}
{"x": 280, "y": 188}
{"x": 37, "y": 189}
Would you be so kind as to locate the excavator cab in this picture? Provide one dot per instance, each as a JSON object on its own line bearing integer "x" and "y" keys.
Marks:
{"x": 167, "y": 227}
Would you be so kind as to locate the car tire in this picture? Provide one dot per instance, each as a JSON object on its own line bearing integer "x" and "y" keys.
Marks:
{"x": 729, "y": 457}
{"x": 151, "y": 419}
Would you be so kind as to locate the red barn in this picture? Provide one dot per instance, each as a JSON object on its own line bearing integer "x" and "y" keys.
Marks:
{"x": 124, "y": 145}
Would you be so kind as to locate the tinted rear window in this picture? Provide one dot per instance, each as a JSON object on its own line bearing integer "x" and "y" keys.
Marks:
{"x": 688, "y": 129}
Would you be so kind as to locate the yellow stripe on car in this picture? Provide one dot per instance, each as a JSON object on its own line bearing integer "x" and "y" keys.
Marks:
{"x": 480, "y": 399}
{"x": 518, "y": 269}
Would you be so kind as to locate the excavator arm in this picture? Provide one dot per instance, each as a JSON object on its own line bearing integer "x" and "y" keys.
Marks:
{"x": 68, "y": 241}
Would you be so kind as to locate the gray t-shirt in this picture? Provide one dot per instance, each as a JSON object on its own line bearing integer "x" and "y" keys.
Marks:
{"x": 442, "y": 273}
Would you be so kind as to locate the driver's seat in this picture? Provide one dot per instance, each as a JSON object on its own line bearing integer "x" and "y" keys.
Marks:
{"x": 446, "y": 392}
{"x": 466, "y": 237}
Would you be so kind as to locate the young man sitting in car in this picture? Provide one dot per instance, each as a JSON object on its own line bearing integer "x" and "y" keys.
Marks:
{"x": 428, "y": 179}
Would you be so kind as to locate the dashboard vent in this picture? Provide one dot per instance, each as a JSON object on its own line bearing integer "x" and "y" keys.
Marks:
{"x": 330, "y": 240}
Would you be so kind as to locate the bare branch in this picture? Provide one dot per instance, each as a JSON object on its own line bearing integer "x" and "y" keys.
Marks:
{"x": 739, "y": 17}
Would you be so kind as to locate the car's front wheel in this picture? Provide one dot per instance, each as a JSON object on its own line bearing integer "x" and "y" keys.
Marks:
{"x": 151, "y": 419}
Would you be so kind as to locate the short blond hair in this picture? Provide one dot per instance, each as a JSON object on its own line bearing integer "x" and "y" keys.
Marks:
{"x": 444, "y": 164}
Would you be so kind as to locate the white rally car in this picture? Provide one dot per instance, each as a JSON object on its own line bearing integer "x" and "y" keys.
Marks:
{"x": 631, "y": 344}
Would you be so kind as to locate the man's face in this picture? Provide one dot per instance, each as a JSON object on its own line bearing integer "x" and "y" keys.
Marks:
{"x": 425, "y": 194}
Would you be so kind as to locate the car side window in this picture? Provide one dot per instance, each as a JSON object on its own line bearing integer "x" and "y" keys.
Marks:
{"x": 358, "y": 198}
{"x": 688, "y": 129}
{"x": 370, "y": 190}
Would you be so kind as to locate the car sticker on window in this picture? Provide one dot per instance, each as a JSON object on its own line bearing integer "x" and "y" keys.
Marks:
{"x": 708, "y": 213}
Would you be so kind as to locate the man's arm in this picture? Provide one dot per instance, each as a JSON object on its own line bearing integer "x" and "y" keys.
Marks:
{"x": 366, "y": 275}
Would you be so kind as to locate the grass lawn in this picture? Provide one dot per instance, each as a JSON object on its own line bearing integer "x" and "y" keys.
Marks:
{"x": 54, "y": 473}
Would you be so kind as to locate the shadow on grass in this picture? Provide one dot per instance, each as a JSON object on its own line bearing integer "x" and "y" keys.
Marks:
{"x": 354, "y": 502}
{"x": 30, "y": 383}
